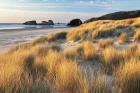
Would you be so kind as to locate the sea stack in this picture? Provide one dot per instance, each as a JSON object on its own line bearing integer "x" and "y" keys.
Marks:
{"x": 33, "y": 22}
{"x": 49, "y": 22}
{"x": 75, "y": 22}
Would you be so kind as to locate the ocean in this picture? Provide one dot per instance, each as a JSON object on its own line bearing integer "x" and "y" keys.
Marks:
{"x": 16, "y": 26}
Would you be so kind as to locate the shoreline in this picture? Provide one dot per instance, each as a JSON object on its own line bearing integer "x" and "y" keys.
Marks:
{"x": 11, "y": 38}
{"x": 31, "y": 29}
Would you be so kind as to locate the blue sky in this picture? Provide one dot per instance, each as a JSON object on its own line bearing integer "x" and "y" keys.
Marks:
{"x": 61, "y": 10}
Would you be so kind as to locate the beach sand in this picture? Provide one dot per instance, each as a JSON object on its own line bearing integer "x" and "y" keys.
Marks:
{"x": 10, "y": 38}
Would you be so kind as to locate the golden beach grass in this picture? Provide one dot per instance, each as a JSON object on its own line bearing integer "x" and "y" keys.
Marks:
{"x": 38, "y": 67}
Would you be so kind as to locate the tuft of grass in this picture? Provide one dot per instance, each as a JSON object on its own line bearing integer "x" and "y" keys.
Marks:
{"x": 130, "y": 52}
{"x": 23, "y": 46}
{"x": 51, "y": 37}
{"x": 128, "y": 77}
{"x": 99, "y": 85}
{"x": 89, "y": 51}
{"x": 123, "y": 37}
{"x": 111, "y": 58}
{"x": 95, "y": 34}
{"x": 57, "y": 36}
{"x": 137, "y": 35}
{"x": 103, "y": 43}
{"x": 53, "y": 60}
{"x": 40, "y": 40}
{"x": 97, "y": 81}
{"x": 71, "y": 53}
{"x": 69, "y": 79}
{"x": 61, "y": 35}
{"x": 103, "y": 33}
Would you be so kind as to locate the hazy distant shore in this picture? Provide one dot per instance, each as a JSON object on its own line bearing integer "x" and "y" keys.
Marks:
{"x": 12, "y": 37}
{"x": 19, "y": 27}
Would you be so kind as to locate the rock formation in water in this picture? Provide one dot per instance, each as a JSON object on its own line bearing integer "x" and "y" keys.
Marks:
{"x": 75, "y": 22}
{"x": 30, "y": 23}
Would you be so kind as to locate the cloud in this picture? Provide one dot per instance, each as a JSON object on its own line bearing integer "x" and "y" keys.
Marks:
{"x": 60, "y": 10}
{"x": 55, "y": 5}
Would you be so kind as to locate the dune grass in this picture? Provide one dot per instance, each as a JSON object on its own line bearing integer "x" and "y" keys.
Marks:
{"x": 128, "y": 77}
{"x": 111, "y": 58}
{"x": 137, "y": 35}
{"x": 69, "y": 79}
{"x": 102, "y": 29}
{"x": 19, "y": 75}
{"x": 42, "y": 69}
{"x": 103, "y": 43}
{"x": 132, "y": 51}
{"x": 123, "y": 37}
{"x": 99, "y": 85}
{"x": 53, "y": 60}
{"x": 94, "y": 65}
{"x": 51, "y": 37}
{"x": 38, "y": 69}
{"x": 71, "y": 53}
{"x": 89, "y": 50}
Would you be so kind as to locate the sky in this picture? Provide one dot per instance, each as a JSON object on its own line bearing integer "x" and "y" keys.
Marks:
{"x": 17, "y": 11}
